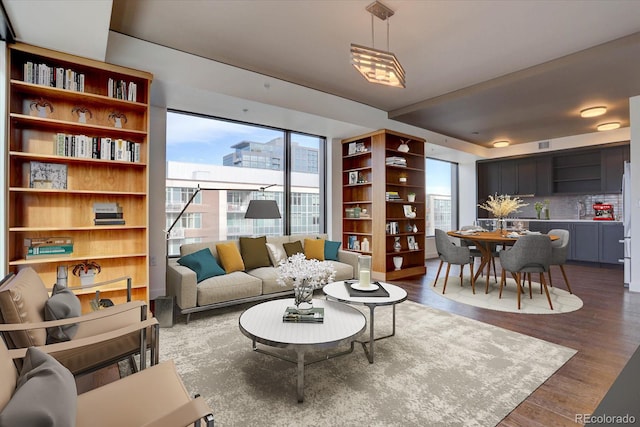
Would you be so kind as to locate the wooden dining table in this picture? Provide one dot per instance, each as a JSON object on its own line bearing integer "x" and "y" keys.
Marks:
{"x": 484, "y": 241}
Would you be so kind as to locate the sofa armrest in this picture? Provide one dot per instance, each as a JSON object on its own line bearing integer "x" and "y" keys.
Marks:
{"x": 350, "y": 258}
{"x": 186, "y": 414}
{"x": 181, "y": 284}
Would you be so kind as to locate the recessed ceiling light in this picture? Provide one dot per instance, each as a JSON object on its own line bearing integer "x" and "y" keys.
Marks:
{"x": 593, "y": 111}
{"x": 501, "y": 144}
{"x": 609, "y": 126}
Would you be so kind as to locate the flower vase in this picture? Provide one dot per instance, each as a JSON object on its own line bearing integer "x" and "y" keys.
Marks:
{"x": 547, "y": 215}
{"x": 303, "y": 295}
{"x": 397, "y": 246}
{"x": 502, "y": 229}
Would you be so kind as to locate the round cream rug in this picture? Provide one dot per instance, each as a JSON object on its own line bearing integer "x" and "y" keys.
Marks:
{"x": 562, "y": 300}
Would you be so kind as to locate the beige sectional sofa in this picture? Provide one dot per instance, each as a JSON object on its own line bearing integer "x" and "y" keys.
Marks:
{"x": 240, "y": 286}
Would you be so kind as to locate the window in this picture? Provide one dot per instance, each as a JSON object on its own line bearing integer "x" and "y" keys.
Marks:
{"x": 442, "y": 194}
{"x": 230, "y": 162}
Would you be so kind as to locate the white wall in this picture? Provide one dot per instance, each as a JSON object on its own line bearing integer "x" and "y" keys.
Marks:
{"x": 634, "y": 113}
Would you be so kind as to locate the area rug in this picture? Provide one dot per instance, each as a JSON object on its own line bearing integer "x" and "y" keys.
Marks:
{"x": 439, "y": 369}
{"x": 562, "y": 301}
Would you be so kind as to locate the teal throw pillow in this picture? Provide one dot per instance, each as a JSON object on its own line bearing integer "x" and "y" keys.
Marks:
{"x": 331, "y": 250}
{"x": 203, "y": 263}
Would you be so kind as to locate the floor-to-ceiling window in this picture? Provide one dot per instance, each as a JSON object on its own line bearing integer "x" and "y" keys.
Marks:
{"x": 233, "y": 163}
{"x": 441, "y": 195}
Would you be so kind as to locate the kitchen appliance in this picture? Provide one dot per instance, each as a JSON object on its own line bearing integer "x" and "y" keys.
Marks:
{"x": 603, "y": 212}
{"x": 626, "y": 221}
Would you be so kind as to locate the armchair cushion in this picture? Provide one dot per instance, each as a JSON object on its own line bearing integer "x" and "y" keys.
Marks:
{"x": 230, "y": 257}
{"x": 314, "y": 249}
{"x": 293, "y": 248}
{"x": 49, "y": 384}
{"x": 331, "y": 250}
{"x": 203, "y": 263}
{"x": 63, "y": 304}
{"x": 254, "y": 252}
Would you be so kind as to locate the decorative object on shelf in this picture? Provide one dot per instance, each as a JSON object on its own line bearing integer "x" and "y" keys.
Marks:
{"x": 411, "y": 197}
{"x": 61, "y": 278}
{"x": 364, "y": 213}
{"x": 351, "y": 148}
{"x": 364, "y": 270}
{"x": 360, "y": 147}
{"x": 40, "y": 106}
{"x": 409, "y": 212}
{"x": 397, "y": 246}
{"x": 353, "y": 178}
{"x": 362, "y": 178}
{"x": 393, "y": 227}
{"x": 47, "y": 175}
{"x": 547, "y": 214}
{"x": 86, "y": 271}
{"x": 404, "y": 146}
{"x": 411, "y": 242}
{"x": 117, "y": 118}
{"x": 352, "y": 242}
{"x": 305, "y": 275}
{"x": 356, "y": 211}
{"x": 415, "y": 228}
{"x": 365, "y": 245}
{"x": 82, "y": 113}
{"x": 397, "y": 262}
{"x": 402, "y": 180}
{"x": 538, "y": 207}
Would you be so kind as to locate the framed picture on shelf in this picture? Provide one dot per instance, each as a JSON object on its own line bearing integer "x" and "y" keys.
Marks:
{"x": 411, "y": 242}
{"x": 353, "y": 178}
{"x": 352, "y": 148}
{"x": 408, "y": 211}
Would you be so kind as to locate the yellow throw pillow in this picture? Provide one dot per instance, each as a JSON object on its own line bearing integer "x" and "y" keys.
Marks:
{"x": 314, "y": 249}
{"x": 230, "y": 257}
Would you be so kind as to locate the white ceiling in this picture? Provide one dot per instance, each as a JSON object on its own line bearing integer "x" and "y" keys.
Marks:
{"x": 468, "y": 63}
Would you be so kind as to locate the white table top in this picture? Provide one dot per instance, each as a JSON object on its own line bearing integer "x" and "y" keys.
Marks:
{"x": 338, "y": 291}
{"x": 263, "y": 322}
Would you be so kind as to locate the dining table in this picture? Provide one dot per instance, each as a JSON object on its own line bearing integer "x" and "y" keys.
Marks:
{"x": 486, "y": 240}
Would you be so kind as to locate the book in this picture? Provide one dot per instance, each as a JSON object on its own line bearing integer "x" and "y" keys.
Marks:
{"x": 108, "y": 221}
{"x": 107, "y": 207}
{"x": 108, "y": 215}
{"x": 50, "y": 250}
{"x": 312, "y": 315}
{"x": 47, "y": 241}
{"x": 47, "y": 175}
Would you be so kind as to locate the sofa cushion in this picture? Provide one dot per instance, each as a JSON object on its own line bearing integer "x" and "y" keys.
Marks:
{"x": 314, "y": 249}
{"x": 276, "y": 253}
{"x": 331, "y": 250}
{"x": 203, "y": 263}
{"x": 231, "y": 286}
{"x": 293, "y": 248}
{"x": 254, "y": 252}
{"x": 230, "y": 257}
{"x": 343, "y": 270}
{"x": 22, "y": 300}
{"x": 269, "y": 278}
{"x": 63, "y": 304}
{"x": 45, "y": 395}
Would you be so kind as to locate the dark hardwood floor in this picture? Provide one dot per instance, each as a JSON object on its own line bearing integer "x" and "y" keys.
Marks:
{"x": 605, "y": 332}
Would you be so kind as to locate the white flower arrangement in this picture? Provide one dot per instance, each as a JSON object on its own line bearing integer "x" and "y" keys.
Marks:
{"x": 502, "y": 205}
{"x": 298, "y": 269}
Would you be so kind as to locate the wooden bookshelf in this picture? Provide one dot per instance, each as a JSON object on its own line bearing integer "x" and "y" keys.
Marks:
{"x": 38, "y": 112}
{"x": 366, "y": 180}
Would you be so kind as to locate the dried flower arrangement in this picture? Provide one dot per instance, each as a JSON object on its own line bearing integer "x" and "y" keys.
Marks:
{"x": 502, "y": 205}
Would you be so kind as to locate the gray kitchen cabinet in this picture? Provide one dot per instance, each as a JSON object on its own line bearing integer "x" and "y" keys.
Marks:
{"x": 526, "y": 171}
{"x": 611, "y": 162}
{"x": 611, "y": 248}
{"x": 544, "y": 171}
{"x": 508, "y": 177}
{"x": 585, "y": 241}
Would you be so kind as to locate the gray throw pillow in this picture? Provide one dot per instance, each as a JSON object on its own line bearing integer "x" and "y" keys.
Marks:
{"x": 45, "y": 394}
{"x": 63, "y": 304}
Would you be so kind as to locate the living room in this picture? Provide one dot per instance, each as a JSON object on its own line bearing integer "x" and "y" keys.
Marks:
{"x": 192, "y": 83}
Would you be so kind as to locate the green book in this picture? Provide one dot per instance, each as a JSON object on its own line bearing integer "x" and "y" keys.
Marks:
{"x": 312, "y": 315}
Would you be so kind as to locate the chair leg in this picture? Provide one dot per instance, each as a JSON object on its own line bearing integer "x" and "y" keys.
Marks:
{"x": 495, "y": 274}
{"x": 438, "y": 273}
{"x": 564, "y": 275}
{"x": 550, "y": 281}
{"x": 461, "y": 273}
{"x": 502, "y": 279}
{"x": 446, "y": 278}
{"x": 544, "y": 283}
{"x": 473, "y": 284}
{"x": 529, "y": 278}
{"x": 519, "y": 287}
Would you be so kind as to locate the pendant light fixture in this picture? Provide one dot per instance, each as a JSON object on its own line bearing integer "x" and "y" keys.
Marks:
{"x": 378, "y": 66}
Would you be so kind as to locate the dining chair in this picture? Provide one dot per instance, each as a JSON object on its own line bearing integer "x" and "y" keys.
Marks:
{"x": 450, "y": 253}
{"x": 529, "y": 254}
{"x": 559, "y": 250}
{"x": 476, "y": 253}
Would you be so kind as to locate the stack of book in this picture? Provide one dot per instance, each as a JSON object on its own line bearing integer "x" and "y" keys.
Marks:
{"x": 392, "y": 195}
{"x": 396, "y": 161}
{"x": 312, "y": 315}
{"x": 44, "y": 247}
{"x": 108, "y": 214}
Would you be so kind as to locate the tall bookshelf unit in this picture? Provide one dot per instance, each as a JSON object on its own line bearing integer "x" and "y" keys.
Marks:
{"x": 366, "y": 181}
{"x": 37, "y": 113}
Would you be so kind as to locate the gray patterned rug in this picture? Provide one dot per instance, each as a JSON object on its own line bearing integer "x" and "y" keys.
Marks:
{"x": 440, "y": 369}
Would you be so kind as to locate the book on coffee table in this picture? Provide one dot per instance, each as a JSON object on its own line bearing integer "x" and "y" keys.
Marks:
{"x": 311, "y": 315}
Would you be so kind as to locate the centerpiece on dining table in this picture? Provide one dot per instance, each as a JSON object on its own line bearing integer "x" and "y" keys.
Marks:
{"x": 501, "y": 206}
{"x": 306, "y": 275}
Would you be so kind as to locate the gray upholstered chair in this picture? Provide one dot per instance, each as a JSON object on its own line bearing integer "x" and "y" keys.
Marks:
{"x": 530, "y": 254}
{"x": 559, "y": 249}
{"x": 452, "y": 254}
{"x": 476, "y": 253}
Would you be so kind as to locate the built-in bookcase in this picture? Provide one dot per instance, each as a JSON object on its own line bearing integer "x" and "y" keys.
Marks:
{"x": 89, "y": 107}
{"x": 378, "y": 176}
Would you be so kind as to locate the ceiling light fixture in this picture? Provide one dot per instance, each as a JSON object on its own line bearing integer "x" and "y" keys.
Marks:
{"x": 608, "y": 126}
{"x": 378, "y": 66}
{"x": 501, "y": 144}
{"x": 593, "y": 111}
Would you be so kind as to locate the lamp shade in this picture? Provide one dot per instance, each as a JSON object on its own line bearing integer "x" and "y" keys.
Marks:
{"x": 262, "y": 209}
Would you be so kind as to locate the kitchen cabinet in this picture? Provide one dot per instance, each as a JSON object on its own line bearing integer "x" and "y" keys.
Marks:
{"x": 612, "y": 166}
{"x": 526, "y": 174}
{"x": 543, "y": 176}
{"x": 611, "y": 248}
{"x": 577, "y": 172}
{"x": 584, "y": 241}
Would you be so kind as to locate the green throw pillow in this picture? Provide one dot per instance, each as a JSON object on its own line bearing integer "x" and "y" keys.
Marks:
{"x": 293, "y": 248}
{"x": 254, "y": 252}
{"x": 63, "y": 304}
{"x": 331, "y": 250}
{"x": 203, "y": 263}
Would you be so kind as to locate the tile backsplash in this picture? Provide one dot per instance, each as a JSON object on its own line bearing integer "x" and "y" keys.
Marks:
{"x": 571, "y": 207}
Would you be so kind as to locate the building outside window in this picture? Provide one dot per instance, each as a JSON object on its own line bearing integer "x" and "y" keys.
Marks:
{"x": 441, "y": 195}
{"x": 233, "y": 161}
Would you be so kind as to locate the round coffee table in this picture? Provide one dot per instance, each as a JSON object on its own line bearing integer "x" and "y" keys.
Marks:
{"x": 338, "y": 291}
{"x": 263, "y": 324}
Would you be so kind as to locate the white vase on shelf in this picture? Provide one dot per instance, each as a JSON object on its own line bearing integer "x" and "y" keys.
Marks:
{"x": 397, "y": 262}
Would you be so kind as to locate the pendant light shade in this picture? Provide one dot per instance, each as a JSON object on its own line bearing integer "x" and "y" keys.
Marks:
{"x": 262, "y": 209}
